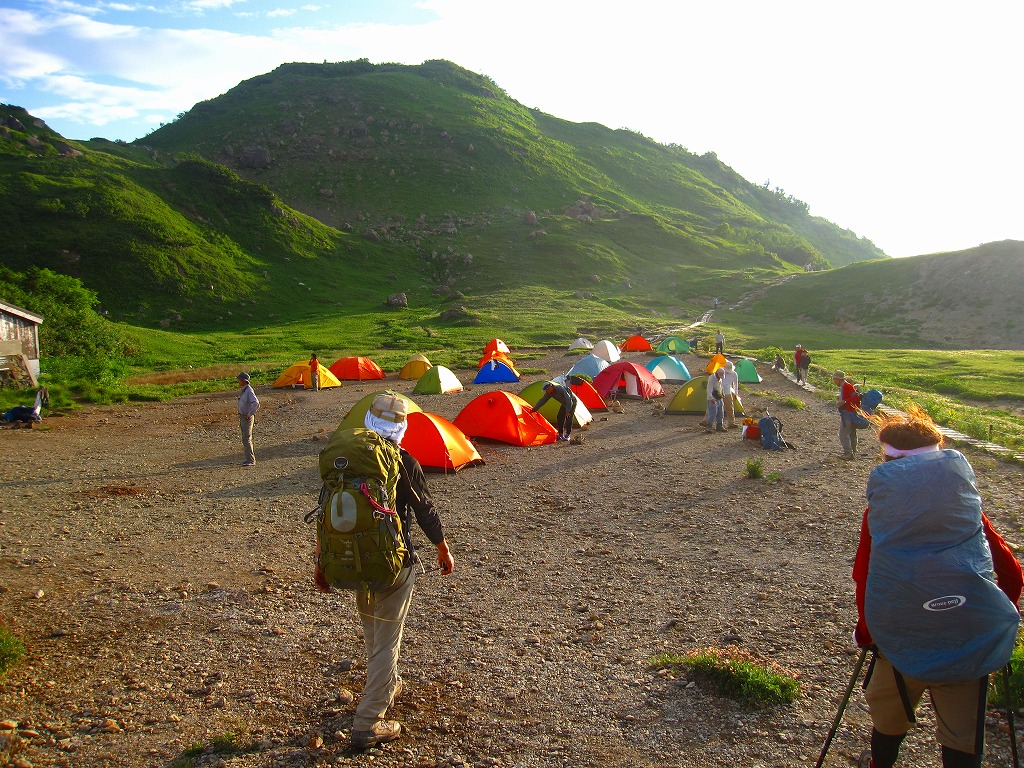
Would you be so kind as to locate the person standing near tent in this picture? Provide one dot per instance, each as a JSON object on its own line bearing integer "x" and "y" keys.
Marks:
{"x": 383, "y": 614}
{"x": 936, "y": 591}
{"x": 248, "y": 404}
{"x": 731, "y": 393}
{"x": 713, "y": 421}
{"x": 848, "y": 400}
{"x": 314, "y": 372}
{"x": 563, "y": 395}
{"x": 719, "y": 343}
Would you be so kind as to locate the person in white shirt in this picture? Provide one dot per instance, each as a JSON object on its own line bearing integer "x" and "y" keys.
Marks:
{"x": 731, "y": 393}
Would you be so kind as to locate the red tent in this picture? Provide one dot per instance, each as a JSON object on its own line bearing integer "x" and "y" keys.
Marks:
{"x": 500, "y": 415}
{"x": 625, "y": 379}
{"x": 438, "y": 444}
{"x": 356, "y": 369}
{"x": 636, "y": 344}
{"x": 587, "y": 395}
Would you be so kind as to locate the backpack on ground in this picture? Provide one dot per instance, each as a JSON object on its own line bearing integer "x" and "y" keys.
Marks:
{"x": 771, "y": 433}
{"x": 358, "y": 532}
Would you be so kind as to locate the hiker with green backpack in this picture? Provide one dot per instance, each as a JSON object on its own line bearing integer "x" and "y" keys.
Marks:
{"x": 372, "y": 490}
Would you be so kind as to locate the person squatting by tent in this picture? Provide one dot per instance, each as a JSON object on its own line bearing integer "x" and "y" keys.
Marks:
{"x": 383, "y": 613}
{"x": 563, "y": 395}
{"x": 848, "y": 400}
{"x": 248, "y": 404}
{"x": 936, "y": 590}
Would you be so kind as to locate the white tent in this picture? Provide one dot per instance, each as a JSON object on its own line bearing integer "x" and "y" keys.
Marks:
{"x": 607, "y": 351}
{"x": 581, "y": 343}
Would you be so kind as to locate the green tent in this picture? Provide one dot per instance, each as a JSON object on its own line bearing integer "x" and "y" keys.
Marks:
{"x": 437, "y": 381}
{"x": 672, "y": 345}
{"x": 747, "y": 372}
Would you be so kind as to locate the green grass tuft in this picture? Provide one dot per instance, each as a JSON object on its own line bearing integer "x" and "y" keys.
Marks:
{"x": 735, "y": 673}
{"x": 12, "y": 651}
{"x": 755, "y": 467}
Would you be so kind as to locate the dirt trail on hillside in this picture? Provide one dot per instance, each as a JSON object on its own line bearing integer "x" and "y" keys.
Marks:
{"x": 165, "y": 595}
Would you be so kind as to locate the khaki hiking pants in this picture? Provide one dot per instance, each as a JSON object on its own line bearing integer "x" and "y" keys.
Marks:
{"x": 383, "y": 617}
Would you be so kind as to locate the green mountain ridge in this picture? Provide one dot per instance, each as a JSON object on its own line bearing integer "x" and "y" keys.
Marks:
{"x": 321, "y": 190}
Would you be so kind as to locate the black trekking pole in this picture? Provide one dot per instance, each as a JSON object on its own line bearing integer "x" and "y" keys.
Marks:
{"x": 842, "y": 707}
{"x": 1007, "y": 671}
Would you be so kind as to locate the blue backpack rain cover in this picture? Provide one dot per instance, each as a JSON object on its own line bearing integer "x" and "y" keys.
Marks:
{"x": 932, "y": 604}
{"x": 771, "y": 433}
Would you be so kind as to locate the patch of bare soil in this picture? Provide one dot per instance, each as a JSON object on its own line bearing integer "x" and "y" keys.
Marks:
{"x": 165, "y": 593}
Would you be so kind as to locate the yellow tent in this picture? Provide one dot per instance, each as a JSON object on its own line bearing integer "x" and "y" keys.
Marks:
{"x": 416, "y": 367}
{"x": 716, "y": 362}
{"x": 298, "y": 375}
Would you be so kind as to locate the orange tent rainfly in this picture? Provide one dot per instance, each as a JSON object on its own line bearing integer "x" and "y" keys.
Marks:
{"x": 716, "y": 362}
{"x": 636, "y": 344}
{"x": 502, "y": 416}
{"x": 501, "y": 357}
{"x": 438, "y": 444}
{"x": 356, "y": 369}
{"x": 496, "y": 345}
{"x": 298, "y": 374}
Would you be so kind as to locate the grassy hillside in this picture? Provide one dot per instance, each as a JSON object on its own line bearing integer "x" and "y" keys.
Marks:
{"x": 963, "y": 300}
{"x": 359, "y": 145}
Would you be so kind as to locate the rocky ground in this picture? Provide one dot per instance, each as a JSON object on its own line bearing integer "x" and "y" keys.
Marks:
{"x": 164, "y": 593}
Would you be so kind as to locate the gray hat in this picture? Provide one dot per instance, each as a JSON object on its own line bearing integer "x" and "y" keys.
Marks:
{"x": 243, "y": 376}
{"x": 839, "y": 375}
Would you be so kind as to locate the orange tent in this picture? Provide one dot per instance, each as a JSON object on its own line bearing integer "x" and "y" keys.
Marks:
{"x": 438, "y": 444}
{"x": 500, "y": 415}
{"x": 356, "y": 369}
{"x": 636, "y": 344}
{"x": 500, "y": 356}
{"x": 496, "y": 345}
{"x": 587, "y": 395}
{"x": 716, "y": 362}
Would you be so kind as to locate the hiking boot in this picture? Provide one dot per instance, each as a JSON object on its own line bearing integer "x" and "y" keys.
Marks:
{"x": 382, "y": 732}
{"x": 847, "y": 456}
{"x": 249, "y": 464}
{"x": 719, "y": 428}
{"x": 865, "y": 761}
{"x": 708, "y": 431}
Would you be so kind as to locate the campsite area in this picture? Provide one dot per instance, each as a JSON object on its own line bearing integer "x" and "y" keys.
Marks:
{"x": 165, "y": 598}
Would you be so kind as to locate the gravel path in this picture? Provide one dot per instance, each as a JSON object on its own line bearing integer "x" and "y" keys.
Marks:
{"x": 165, "y": 595}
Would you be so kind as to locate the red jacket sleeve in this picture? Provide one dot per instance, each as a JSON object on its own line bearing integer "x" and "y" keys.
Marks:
{"x": 860, "y": 578}
{"x": 1008, "y": 571}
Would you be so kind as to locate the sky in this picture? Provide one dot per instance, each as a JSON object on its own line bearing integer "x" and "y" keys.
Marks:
{"x": 898, "y": 119}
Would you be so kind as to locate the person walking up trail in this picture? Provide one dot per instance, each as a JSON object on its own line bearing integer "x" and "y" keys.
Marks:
{"x": 248, "y": 404}
{"x": 936, "y": 590}
{"x": 848, "y": 400}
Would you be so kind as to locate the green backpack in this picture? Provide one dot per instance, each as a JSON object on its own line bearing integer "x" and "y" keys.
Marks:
{"x": 358, "y": 532}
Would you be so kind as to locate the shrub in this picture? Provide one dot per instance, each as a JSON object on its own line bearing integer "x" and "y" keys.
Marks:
{"x": 12, "y": 650}
{"x": 736, "y": 673}
{"x": 755, "y": 467}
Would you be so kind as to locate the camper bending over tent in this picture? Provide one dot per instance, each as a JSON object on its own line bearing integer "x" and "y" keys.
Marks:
{"x": 563, "y": 394}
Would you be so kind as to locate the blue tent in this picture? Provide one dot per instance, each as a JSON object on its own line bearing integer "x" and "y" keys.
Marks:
{"x": 669, "y": 369}
{"x": 590, "y": 365}
{"x": 494, "y": 372}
